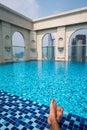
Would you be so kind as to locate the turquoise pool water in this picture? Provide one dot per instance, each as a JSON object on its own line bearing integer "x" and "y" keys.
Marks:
{"x": 42, "y": 81}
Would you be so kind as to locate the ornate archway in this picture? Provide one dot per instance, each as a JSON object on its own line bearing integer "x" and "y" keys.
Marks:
{"x": 48, "y": 47}
{"x": 18, "y": 46}
{"x": 78, "y": 46}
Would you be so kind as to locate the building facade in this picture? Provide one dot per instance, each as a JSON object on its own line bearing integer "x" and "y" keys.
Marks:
{"x": 60, "y": 26}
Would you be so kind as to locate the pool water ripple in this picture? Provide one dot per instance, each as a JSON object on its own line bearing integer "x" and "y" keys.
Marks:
{"x": 42, "y": 81}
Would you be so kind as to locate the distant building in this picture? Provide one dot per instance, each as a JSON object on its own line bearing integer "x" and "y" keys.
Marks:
{"x": 78, "y": 49}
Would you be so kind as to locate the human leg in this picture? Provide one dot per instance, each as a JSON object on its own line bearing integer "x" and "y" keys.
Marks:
{"x": 54, "y": 116}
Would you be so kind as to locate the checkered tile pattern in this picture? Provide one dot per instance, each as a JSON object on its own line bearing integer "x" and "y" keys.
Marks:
{"x": 21, "y": 114}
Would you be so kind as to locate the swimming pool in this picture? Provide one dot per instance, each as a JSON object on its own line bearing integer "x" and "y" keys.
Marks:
{"x": 42, "y": 81}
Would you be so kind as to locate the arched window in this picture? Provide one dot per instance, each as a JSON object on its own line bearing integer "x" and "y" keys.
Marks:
{"x": 48, "y": 47}
{"x": 78, "y": 46}
{"x": 18, "y": 46}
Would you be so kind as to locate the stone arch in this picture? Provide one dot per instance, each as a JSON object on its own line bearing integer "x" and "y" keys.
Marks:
{"x": 48, "y": 46}
{"x": 76, "y": 30}
{"x": 51, "y": 35}
{"x": 18, "y": 46}
{"x": 77, "y": 48}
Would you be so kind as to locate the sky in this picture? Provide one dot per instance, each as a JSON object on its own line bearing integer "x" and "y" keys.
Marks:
{"x": 41, "y": 8}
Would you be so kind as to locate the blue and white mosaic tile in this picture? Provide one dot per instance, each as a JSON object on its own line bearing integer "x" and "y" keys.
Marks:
{"x": 21, "y": 114}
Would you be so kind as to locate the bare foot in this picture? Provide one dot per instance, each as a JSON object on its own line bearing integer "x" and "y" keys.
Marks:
{"x": 55, "y": 112}
{"x": 59, "y": 113}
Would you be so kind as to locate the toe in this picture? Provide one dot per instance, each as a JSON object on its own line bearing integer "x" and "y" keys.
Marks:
{"x": 59, "y": 113}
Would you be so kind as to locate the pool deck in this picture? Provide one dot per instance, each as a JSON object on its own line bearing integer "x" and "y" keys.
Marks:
{"x": 21, "y": 114}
